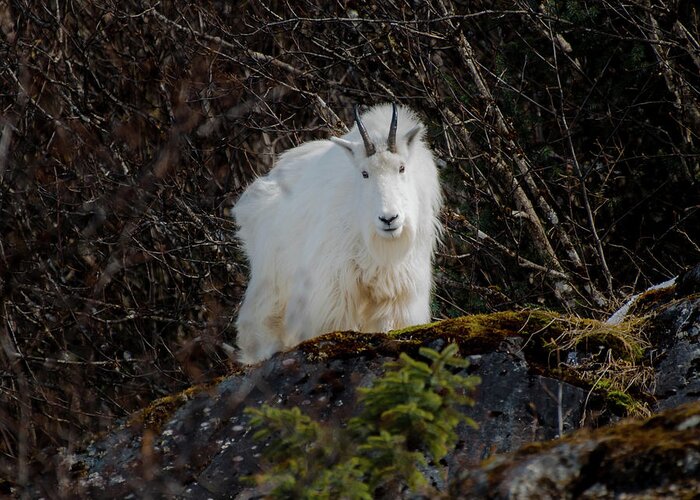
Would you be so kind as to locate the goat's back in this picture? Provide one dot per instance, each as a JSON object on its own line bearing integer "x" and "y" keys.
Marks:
{"x": 262, "y": 205}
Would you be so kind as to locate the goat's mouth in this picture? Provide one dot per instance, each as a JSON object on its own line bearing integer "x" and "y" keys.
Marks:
{"x": 390, "y": 233}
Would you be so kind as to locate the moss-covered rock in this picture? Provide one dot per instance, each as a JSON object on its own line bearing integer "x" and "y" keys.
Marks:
{"x": 534, "y": 366}
{"x": 654, "y": 458}
{"x": 577, "y": 350}
{"x": 543, "y": 376}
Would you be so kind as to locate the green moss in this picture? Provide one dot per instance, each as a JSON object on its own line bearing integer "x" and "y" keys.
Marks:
{"x": 615, "y": 351}
{"x": 604, "y": 383}
{"x": 625, "y": 341}
{"x": 157, "y": 413}
{"x": 650, "y": 299}
{"x": 545, "y": 331}
{"x": 621, "y": 400}
{"x": 484, "y": 332}
{"x": 414, "y": 328}
{"x": 474, "y": 334}
{"x": 341, "y": 345}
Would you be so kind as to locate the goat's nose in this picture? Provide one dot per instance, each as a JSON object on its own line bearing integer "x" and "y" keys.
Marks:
{"x": 389, "y": 220}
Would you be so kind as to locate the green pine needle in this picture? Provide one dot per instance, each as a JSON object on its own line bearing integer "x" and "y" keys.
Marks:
{"x": 407, "y": 416}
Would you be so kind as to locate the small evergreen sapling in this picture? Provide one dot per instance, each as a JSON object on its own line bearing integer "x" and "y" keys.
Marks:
{"x": 407, "y": 416}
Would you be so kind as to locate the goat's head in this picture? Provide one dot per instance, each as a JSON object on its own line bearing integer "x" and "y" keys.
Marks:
{"x": 387, "y": 193}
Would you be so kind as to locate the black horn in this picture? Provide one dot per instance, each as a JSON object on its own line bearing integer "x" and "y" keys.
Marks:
{"x": 391, "y": 142}
{"x": 369, "y": 145}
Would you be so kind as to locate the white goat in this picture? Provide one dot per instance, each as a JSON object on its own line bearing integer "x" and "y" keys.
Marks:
{"x": 340, "y": 235}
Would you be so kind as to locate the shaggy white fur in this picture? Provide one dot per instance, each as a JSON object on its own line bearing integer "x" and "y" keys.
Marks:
{"x": 339, "y": 240}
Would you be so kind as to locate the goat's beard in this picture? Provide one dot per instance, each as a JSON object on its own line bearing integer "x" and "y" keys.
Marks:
{"x": 390, "y": 251}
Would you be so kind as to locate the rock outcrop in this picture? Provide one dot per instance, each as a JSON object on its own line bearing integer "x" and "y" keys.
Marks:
{"x": 535, "y": 387}
{"x": 655, "y": 458}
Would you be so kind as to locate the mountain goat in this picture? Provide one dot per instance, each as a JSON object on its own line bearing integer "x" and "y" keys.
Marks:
{"x": 340, "y": 235}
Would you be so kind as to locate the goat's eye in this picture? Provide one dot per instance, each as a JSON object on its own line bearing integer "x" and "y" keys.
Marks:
{"x": 401, "y": 169}
{"x": 365, "y": 174}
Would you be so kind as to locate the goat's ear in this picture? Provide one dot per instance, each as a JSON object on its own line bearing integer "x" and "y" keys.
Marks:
{"x": 348, "y": 146}
{"x": 413, "y": 134}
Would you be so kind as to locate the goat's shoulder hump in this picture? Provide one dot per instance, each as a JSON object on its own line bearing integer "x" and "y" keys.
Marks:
{"x": 304, "y": 152}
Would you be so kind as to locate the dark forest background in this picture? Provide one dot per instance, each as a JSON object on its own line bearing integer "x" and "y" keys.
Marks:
{"x": 567, "y": 134}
